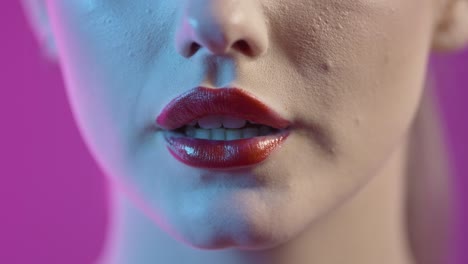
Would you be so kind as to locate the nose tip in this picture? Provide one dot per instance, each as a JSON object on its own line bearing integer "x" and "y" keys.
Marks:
{"x": 221, "y": 27}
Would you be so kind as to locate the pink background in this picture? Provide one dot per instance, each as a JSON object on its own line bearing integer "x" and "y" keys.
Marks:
{"x": 52, "y": 194}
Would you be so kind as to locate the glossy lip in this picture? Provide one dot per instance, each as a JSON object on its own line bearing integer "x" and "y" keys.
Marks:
{"x": 219, "y": 154}
{"x": 201, "y": 102}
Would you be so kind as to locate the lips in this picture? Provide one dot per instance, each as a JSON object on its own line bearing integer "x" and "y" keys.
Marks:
{"x": 211, "y": 154}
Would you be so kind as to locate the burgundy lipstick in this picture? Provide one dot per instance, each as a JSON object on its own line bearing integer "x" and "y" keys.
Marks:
{"x": 211, "y": 154}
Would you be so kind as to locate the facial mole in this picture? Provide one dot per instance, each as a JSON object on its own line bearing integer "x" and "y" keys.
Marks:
{"x": 327, "y": 66}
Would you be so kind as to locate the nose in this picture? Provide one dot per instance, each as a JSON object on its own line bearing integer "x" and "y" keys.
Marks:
{"x": 222, "y": 27}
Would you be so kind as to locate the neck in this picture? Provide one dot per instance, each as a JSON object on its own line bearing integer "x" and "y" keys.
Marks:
{"x": 368, "y": 228}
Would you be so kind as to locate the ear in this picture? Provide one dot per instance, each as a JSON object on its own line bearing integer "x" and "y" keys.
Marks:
{"x": 37, "y": 16}
{"x": 452, "y": 30}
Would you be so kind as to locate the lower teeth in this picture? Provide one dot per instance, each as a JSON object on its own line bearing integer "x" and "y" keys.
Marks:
{"x": 227, "y": 134}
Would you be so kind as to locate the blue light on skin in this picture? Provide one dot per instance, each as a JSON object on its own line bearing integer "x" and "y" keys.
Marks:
{"x": 123, "y": 64}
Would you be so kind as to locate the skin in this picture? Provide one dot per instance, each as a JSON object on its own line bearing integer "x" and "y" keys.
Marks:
{"x": 348, "y": 74}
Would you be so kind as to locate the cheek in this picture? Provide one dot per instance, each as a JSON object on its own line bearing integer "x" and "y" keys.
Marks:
{"x": 386, "y": 76}
{"x": 362, "y": 66}
{"x": 109, "y": 52}
{"x": 363, "y": 62}
{"x": 108, "y": 47}
{"x": 382, "y": 81}
{"x": 103, "y": 76}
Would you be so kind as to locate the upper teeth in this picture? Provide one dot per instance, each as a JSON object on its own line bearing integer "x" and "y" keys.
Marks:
{"x": 227, "y": 134}
{"x": 213, "y": 122}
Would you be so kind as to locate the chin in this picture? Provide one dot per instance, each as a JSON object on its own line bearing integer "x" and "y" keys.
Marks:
{"x": 234, "y": 220}
{"x": 249, "y": 240}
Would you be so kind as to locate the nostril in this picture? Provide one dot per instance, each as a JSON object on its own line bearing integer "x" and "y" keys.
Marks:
{"x": 243, "y": 47}
{"x": 194, "y": 47}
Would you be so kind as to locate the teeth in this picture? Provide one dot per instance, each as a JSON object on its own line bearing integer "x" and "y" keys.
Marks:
{"x": 227, "y": 134}
{"x": 233, "y": 134}
{"x": 190, "y": 132}
{"x": 211, "y": 122}
{"x": 233, "y": 122}
{"x": 225, "y": 128}
{"x": 202, "y": 134}
{"x": 218, "y": 134}
{"x": 250, "y": 132}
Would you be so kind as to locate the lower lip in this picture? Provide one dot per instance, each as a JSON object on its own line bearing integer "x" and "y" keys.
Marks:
{"x": 217, "y": 154}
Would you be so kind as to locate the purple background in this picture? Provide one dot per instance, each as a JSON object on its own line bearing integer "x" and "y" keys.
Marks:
{"x": 52, "y": 194}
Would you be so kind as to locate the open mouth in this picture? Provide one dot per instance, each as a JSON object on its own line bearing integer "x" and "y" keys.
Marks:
{"x": 224, "y": 128}
{"x": 221, "y": 128}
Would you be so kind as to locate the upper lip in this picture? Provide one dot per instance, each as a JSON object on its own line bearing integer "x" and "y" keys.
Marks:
{"x": 200, "y": 102}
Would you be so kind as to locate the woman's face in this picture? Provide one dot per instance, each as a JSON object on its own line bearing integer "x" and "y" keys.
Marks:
{"x": 347, "y": 74}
